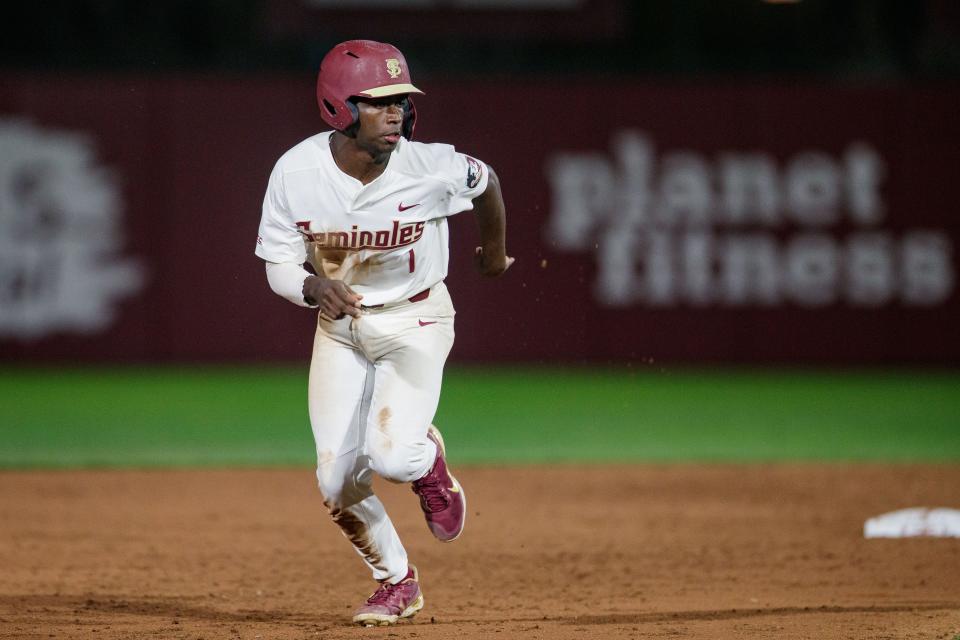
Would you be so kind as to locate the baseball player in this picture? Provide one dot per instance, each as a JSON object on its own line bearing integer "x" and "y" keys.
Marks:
{"x": 368, "y": 208}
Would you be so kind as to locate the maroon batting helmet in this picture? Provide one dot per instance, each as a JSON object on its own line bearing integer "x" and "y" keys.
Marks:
{"x": 362, "y": 69}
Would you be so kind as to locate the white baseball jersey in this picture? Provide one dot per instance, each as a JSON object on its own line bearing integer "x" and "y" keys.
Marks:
{"x": 388, "y": 239}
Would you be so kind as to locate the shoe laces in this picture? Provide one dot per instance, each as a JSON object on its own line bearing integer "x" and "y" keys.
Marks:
{"x": 432, "y": 496}
{"x": 384, "y": 593}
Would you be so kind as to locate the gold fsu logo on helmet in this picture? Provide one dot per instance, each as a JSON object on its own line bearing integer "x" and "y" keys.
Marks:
{"x": 393, "y": 67}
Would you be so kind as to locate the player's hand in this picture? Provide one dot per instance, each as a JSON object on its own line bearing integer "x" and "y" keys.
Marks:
{"x": 491, "y": 265}
{"x": 334, "y": 297}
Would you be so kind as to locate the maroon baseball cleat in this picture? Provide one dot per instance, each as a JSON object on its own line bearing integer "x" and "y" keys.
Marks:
{"x": 441, "y": 496}
{"x": 390, "y": 602}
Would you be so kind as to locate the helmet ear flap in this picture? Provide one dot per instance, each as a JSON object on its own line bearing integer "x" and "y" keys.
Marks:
{"x": 409, "y": 118}
{"x": 351, "y": 129}
{"x": 339, "y": 114}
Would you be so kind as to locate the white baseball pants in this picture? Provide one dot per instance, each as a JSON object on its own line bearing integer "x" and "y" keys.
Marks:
{"x": 374, "y": 389}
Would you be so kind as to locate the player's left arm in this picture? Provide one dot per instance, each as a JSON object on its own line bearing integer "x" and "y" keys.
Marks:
{"x": 491, "y": 257}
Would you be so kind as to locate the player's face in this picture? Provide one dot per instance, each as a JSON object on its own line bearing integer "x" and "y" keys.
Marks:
{"x": 381, "y": 122}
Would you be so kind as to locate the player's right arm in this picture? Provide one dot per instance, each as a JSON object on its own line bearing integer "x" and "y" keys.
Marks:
{"x": 282, "y": 246}
{"x": 286, "y": 279}
{"x": 331, "y": 297}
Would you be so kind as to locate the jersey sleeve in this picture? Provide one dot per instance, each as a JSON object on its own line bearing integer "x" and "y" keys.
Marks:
{"x": 467, "y": 178}
{"x": 278, "y": 239}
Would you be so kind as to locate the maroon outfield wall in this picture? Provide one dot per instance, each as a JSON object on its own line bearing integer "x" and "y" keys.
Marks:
{"x": 686, "y": 223}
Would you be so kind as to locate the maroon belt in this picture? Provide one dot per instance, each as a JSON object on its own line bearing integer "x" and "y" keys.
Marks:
{"x": 423, "y": 295}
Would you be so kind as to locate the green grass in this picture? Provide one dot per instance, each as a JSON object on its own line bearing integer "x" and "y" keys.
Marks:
{"x": 257, "y": 416}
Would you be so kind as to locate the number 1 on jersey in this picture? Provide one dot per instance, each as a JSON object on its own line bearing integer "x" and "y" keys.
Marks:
{"x": 413, "y": 261}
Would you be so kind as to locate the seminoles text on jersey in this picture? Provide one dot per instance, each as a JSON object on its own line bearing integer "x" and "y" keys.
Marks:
{"x": 398, "y": 235}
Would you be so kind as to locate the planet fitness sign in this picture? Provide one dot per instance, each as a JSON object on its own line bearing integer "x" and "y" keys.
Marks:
{"x": 740, "y": 228}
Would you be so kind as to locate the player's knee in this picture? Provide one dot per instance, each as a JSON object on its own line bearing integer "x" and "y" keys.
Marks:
{"x": 398, "y": 462}
{"x": 331, "y": 492}
{"x": 331, "y": 488}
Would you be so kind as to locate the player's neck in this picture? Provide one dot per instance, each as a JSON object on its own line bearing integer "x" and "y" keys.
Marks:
{"x": 355, "y": 161}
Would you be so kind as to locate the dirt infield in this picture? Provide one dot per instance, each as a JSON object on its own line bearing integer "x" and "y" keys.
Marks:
{"x": 678, "y": 551}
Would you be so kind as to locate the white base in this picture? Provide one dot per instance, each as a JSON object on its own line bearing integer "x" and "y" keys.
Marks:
{"x": 914, "y": 523}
